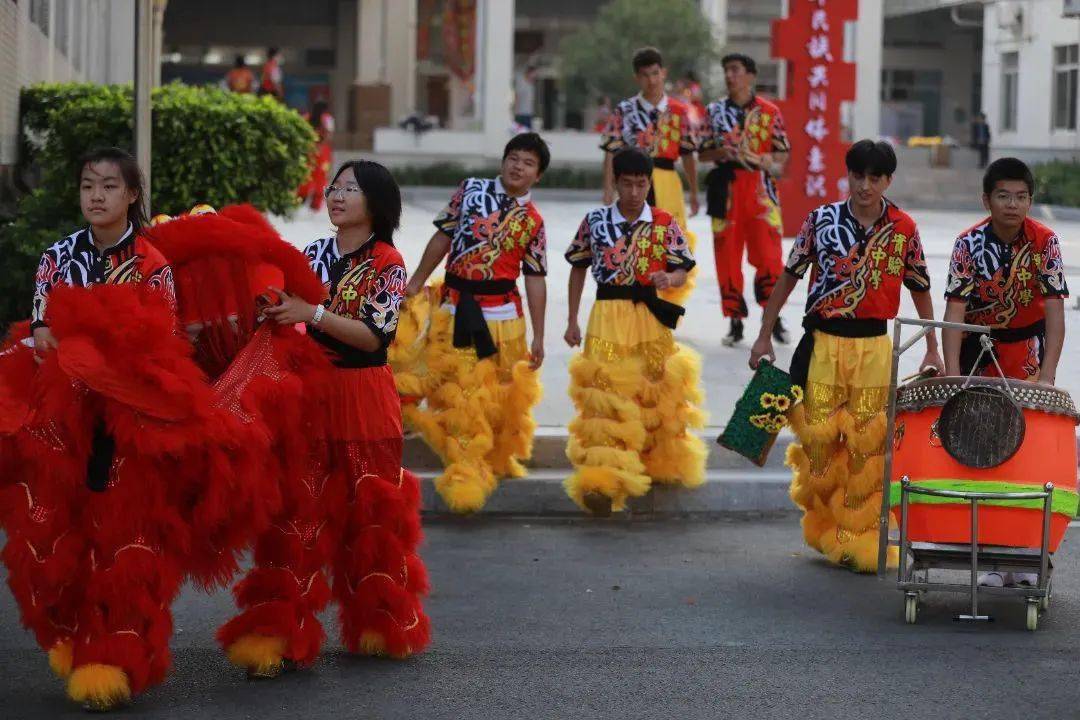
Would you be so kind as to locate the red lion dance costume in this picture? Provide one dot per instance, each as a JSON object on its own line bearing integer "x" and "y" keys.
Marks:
{"x": 347, "y": 503}
{"x": 122, "y": 475}
{"x": 193, "y": 472}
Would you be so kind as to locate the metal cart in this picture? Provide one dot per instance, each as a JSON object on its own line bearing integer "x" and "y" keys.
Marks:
{"x": 918, "y": 559}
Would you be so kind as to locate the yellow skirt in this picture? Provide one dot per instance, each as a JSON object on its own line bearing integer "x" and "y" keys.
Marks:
{"x": 478, "y": 413}
{"x": 637, "y": 394}
{"x": 838, "y": 465}
{"x": 668, "y": 191}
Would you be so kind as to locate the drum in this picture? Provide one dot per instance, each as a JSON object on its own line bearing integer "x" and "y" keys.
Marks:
{"x": 989, "y": 437}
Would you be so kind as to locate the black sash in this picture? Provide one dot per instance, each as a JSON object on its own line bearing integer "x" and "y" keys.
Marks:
{"x": 470, "y": 327}
{"x": 663, "y": 163}
{"x": 668, "y": 313}
{"x": 970, "y": 346}
{"x": 718, "y": 189}
{"x": 841, "y": 327}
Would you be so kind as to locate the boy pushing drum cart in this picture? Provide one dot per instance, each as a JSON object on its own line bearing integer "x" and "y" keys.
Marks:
{"x": 963, "y": 493}
{"x": 983, "y": 462}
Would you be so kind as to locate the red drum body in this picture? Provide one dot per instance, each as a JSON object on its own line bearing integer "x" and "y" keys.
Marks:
{"x": 1034, "y": 445}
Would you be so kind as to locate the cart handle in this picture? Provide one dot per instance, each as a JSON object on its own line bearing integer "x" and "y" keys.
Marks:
{"x": 1035, "y": 495}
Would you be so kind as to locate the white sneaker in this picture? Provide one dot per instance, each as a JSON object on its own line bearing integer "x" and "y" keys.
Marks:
{"x": 992, "y": 579}
{"x": 1024, "y": 579}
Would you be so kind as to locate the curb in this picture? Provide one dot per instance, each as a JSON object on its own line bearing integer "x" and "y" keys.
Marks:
{"x": 549, "y": 452}
{"x": 541, "y": 494}
{"x": 733, "y": 485}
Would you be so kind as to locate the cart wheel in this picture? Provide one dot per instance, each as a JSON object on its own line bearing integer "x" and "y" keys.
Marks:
{"x": 911, "y": 608}
{"x": 1032, "y": 615}
{"x": 1044, "y": 602}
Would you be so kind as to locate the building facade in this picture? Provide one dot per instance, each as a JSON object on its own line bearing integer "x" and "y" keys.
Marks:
{"x": 60, "y": 41}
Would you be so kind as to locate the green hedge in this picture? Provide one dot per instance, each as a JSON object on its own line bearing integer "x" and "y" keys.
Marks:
{"x": 209, "y": 146}
{"x": 1058, "y": 183}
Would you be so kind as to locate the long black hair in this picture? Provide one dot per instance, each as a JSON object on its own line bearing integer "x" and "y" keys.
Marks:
{"x": 129, "y": 171}
{"x": 382, "y": 194}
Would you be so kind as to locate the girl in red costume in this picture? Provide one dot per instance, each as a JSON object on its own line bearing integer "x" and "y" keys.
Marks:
{"x": 352, "y": 510}
{"x": 107, "y": 432}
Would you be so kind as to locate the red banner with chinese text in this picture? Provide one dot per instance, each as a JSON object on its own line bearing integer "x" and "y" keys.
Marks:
{"x": 818, "y": 81}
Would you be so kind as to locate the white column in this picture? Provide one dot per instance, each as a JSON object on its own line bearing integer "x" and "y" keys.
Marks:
{"x": 371, "y": 33}
{"x": 401, "y": 18}
{"x": 50, "y": 37}
{"x": 496, "y": 71}
{"x": 869, "y": 36}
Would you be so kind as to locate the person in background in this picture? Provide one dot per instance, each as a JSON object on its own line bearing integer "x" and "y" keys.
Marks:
{"x": 323, "y": 123}
{"x": 744, "y": 135}
{"x": 272, "y": 82}
{"x": 660, "y": 125}
{"x": 525, "y": 96}
{"x": 980, "y": 138}
{"x": 240, "y": 79}
{"x": 603, "y": 114}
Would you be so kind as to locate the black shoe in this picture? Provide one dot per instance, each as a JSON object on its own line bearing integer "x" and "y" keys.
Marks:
{"x": 779, "y": 332}
{"x": 598, "y": 504}
{"x": 735, "y": 333}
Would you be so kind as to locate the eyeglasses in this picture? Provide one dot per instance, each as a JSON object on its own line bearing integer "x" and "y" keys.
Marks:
{"x": 345, "y": 190}
{"x": 1008, "y": 198}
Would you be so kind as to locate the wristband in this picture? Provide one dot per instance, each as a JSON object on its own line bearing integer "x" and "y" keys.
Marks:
{"x": 319, "y": 312}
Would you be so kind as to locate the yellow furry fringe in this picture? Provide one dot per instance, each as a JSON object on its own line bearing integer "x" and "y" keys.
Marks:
{"x": 406, "y": 354}
{"x": 853, "y": 512}
{"x": 373, "y": 644}
{"x": 842, "y": 501}
{"x": 866, "y": 439}
{"x": 516, "y": 427}
{"x": 465, "y": 486}
{"x": 619, "y": 485}
{"x": 631, "y": 429}
{"x": 60, "y": 658}
{"x": 478, "y": 418}
{"x": 257, "y": 653}
{"x": 101, "y": 687}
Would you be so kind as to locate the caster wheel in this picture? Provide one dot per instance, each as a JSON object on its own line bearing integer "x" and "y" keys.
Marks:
{"x": 1044, "y": 603}
{"x": 1032, "y": 615}
{"x": 911, "y": 609}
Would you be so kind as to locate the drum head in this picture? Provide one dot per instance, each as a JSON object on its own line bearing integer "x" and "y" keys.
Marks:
{"x": 981, "y": 427}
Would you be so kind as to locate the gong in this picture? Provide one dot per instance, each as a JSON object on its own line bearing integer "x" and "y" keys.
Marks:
{"x": 981, "y": 427}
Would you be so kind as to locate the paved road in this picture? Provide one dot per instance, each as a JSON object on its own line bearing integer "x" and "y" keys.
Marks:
{"x": 630, "y": 620}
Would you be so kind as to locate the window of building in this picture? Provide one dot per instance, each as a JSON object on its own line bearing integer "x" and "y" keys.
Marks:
{"x": 1010, "y": 80}
{"x": 39, "y": 14}
{"x": 915, "y": 94}
{"x": 1066, "y": 74}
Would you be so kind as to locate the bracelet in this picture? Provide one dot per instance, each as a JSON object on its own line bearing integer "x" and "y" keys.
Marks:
{"x": 320, "y": 310}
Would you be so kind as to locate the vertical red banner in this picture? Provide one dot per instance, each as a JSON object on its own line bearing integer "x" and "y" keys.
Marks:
{"x": 818, "y": 81}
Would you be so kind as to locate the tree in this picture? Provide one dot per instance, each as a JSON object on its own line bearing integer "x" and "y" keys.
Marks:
{"x": 596, "y": 59}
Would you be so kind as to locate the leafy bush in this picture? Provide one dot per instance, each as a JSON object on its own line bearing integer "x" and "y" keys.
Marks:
{"x": 1058, "y": 183}
{"x": 209, "y": 146}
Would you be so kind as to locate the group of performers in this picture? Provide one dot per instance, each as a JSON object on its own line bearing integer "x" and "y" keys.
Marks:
{"x": 190, "y": 388}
